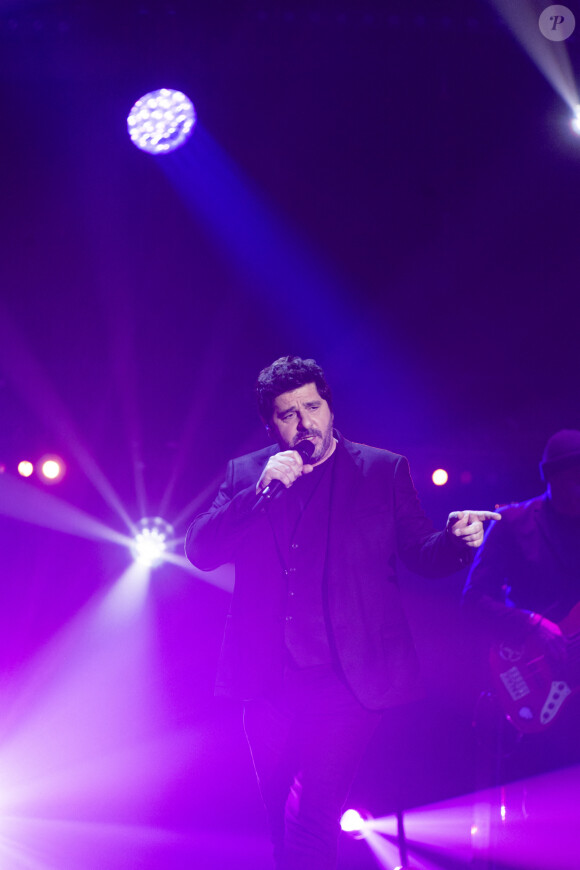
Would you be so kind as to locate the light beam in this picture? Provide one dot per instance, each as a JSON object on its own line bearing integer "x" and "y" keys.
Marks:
{"x": 551, "y": 58}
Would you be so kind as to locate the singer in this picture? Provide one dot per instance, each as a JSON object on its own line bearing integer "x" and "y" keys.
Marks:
{"x": 317, "y": 645}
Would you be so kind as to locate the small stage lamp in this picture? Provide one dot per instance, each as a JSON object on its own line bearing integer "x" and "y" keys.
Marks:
{"x": 51, "y": 469}
{"x": 161, "y": 121}
{"x": 439, "y": 477}
{"x": 351, "y": 822}
{"x": 25, "y": 468}
{"x": 575, "y": 122}
{"x": 153, "y": 539}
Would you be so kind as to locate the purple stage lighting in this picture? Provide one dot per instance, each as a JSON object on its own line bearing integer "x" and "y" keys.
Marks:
{"x": 161, "y": 121}
{"x": 152, "y": 541}
{"x": 575, "y": 122}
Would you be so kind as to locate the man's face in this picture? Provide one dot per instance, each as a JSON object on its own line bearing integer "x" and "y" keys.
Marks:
{"x": 564, "y": 490}
{"x": 300, "y": 414}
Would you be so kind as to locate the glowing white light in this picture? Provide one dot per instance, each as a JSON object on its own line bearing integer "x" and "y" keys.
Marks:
{"x": 51, "y": 469}
{"x": 439, "y": 477}
{"x": 25, "y": 468}
{"x": 352, "y": 821}
{"x": 152, "y": 541}
{"x": 502, "y": 812}
{"x": 161, "y": 121}
{"x": 575, "y": 122}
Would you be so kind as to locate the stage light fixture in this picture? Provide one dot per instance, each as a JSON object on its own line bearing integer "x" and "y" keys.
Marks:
{"x": 153, "y": 539}
{"x": 161, "y": 121}
{"x": 575, "y": 122}
{"x": 51, "y": 469}
{"x": 439, "y": 477}
{"x": 25, "y": 468}
{"x": 351, "y": 822}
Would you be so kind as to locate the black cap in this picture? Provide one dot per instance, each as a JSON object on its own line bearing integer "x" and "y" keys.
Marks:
{"x": 560, "y": 453}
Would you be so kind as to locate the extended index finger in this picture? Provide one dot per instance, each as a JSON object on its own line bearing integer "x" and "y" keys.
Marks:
{"x": 484, "y": 515}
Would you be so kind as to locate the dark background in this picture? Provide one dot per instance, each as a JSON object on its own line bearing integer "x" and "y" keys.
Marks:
{"x": 390, "y": 188}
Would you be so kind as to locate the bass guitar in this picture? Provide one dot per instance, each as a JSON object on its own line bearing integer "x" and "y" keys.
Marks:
{"x": 532, "y": 684}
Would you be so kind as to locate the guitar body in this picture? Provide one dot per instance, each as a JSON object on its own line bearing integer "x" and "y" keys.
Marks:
{"x": 531, "y": 683}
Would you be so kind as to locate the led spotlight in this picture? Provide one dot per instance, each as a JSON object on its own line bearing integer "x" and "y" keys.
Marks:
{"x": 351, "y": 822}
{"x": 161, "y": 121}
{"x": 575, "y": 122}
{"x": 25, "y": 468}
{"x": 439, "y": 477}
{"x": 51, "y": 469}
{"x": 152, "y": 541}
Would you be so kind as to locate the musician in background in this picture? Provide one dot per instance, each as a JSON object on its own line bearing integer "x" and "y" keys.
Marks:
{"x": 526, "y": 575}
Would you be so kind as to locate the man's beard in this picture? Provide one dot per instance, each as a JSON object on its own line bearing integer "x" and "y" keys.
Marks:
{"x": 321, "y": 447}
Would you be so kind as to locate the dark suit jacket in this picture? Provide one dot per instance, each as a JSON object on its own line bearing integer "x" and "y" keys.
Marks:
{"x": 375, "y": 515}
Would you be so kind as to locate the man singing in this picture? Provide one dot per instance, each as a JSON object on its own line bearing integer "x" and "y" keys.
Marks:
{"x": 317, "y": 644}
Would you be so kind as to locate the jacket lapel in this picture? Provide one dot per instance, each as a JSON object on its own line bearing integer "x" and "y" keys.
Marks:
{"x": 345, "y": 492}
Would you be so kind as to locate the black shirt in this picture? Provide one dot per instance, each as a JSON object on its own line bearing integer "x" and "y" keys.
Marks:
{"x": 300, "y": 518}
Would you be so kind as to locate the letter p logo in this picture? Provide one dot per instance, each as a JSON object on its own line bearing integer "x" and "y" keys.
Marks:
{"x": 557, "y": 23}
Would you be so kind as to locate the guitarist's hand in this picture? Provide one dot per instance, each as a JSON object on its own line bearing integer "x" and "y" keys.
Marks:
{"x": 550, "y": 634}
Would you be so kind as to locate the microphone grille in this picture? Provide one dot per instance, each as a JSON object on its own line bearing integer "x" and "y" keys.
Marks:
{"x": 305, "y": 449}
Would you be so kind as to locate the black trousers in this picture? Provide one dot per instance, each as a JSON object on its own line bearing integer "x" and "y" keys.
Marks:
{"x": 307, "y": 739}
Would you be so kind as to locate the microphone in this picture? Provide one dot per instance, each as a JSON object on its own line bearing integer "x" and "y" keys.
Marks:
{"x": 305, "y": 449}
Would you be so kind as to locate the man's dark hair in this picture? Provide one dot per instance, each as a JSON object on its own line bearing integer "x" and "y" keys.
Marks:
{"x": 288, "y": 373}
